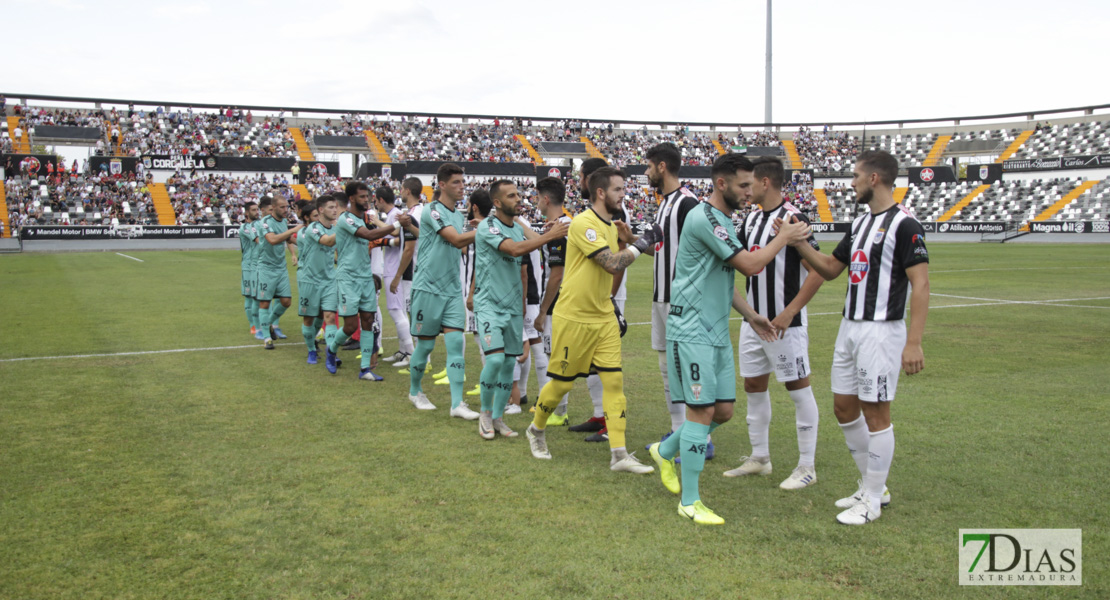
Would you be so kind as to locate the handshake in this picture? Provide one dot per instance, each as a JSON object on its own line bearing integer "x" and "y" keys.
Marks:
{"x": 796, "y": 231}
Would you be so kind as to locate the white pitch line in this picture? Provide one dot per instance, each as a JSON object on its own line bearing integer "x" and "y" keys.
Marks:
{"x": 1016, "y": 269}
{"x": 987, "y": 302}
{"x": 131, "y": 257}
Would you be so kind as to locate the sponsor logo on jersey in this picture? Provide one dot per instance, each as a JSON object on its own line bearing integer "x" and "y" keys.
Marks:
{"x": 435, "y": 215}
{"x": 857, "y": 271}
{"x": 721, "y": 233}
{"x": 591, "y": 235}
{"x": 495, "y": 230}
{"x": 350, "y": 221}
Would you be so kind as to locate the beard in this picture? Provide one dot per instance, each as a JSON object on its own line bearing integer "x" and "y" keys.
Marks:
{"x": 865, "y": 196}
{"x": 656, "y": 184}
{"x": 732, "y": 202}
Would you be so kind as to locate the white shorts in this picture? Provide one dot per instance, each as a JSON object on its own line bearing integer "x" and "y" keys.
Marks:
{"x": 867, "y": 359}
{"x": 471, "y": 321}
{"x": 659, "y": 312}
{"x": 400, "y": 300}
{"x": 531, "y": 311}
{"x": 787, "y": 357}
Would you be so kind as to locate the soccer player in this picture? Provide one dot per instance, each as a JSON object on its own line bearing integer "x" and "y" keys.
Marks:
{"x": 358, "y": 298}
{"x": 316, "y": 273}
{"x": 886, "y": 258}
{"x": 699, "y": 350}
{"x": 779, "y": 292}
{"x": 437, "y": 298}
{"x": 401, "y": 282}
{"x": 551, "y": 193}
{"x": 500, "y": 299}
{"x": 664, "y": 161}
{"x": 585, "y": 333}
{"x": 273, "y": 274}
{"x": 391, "y": 258}
{"x": 248, "y": 245}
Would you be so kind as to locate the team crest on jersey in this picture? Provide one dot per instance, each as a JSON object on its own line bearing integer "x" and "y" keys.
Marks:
{"x": 591, "y": 235}
{"x": 435, "y": 215}
{"x": 878, "y": 236}
{"x": 419, "y": 326}
{"x": 350, "y": 221}
{"x": 495, "y": 230}
{"x": 857, "y": 271}
{"x": 721, "y": 233}
{"x": 696, "y": 388}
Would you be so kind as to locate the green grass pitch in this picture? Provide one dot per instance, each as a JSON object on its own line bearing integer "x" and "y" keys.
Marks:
{"x": 241, "y": 473}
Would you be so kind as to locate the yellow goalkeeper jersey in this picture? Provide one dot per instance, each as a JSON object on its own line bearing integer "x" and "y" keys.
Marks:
{"x": 584, "y": 294}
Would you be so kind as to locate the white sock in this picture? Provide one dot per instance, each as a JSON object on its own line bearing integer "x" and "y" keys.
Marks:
{"x": 759, "y": 423}
{"x": 541, "y": 367}
{"x": 404, "y": 338}
{"x": 379, "y": 328}
{"x": 677, "y": 411}
{"x": 880, "y": 453}
{"x": 855, "y": 434}
{"x": 525, "y": 368}
{"x": 805, "y": 417}
{"x": 593, "y": 382}
{"x": 562, "y": 408}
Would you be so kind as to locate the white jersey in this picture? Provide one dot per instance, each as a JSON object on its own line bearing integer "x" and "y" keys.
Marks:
{"x": 415, "y": 213}
{"x": 391, "y": 255}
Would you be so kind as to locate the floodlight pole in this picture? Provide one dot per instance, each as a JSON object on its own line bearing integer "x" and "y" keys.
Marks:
{"x": 767, "y": 84}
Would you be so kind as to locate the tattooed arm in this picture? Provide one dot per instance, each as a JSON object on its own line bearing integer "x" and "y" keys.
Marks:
{"x": 614, "y": 263}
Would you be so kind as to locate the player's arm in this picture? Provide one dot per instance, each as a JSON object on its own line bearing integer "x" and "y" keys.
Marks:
{"x": 554, "y": 280}
{"x": 808, "y": 291}
{"x": 274, "y": 239}
{"x": 763, "y": 327}
{"x": 377, "y": 233}
{"x": 619, "y": 277}
{"x": 406, "y": 258}
{"x": 913, "y": 357}
{"x": 524, "y": 287}
{"x": 456, "y": 239}
{"x": 327, "y": 240}
{"x": 470, "y": 294}
{"x": 750, "y": 263}
{"x": 529, "y": 233}
{"x": 619, "y": 261}
{"x": 828, "y": 266}
{"x": 523, "y": 247}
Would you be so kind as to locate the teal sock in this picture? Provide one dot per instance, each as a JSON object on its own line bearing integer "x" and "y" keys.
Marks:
{"x": 417, "y": 364}
{"x": 329, "y": 334}
{"x": 252, "y": 318}
{"x": 277, "y": 310}
{"x": 504, "y": 387}
{"x": 490, "y": 379}
{"x": 366, "y": 346}
{"x": 695, "y": 437}
{"x": 264, "y": 321}
{"x": 668, "y": 448}
{"x": 340, "y": 339}
{"x": 309, "y": 337}
{"x": 713, "y": 426}
{"x": 254, "y": 312}
{"x": 456, "y": 365}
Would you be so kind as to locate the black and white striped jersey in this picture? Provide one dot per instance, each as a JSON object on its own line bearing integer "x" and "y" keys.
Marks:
{"x": 670, "y": 217}
{"x": 533, "y": 266}
{"x": 774, "y": 288}
{"x": 554, "y": 255}
{"x": 466, "y": 269}
{"x": 878, "y": 250}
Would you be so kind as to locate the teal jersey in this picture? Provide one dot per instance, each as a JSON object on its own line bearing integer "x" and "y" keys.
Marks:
{"x": 315, "y": 261}
{"x": 271, "y": 256}
{"x": 701, "y": 293}
{"x": 247, "y": 245}
{"x": 354, "y": 252}
{"x": 437, "y": 266}
{"x": 252, "y": 230}
{"x": 498, "y": 286}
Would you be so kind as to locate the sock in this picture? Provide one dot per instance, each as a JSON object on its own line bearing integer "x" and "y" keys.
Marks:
{"x": 880, "y": 453}
{"x": 309, "y": 337}
{"x": 668, "y": 448}
{"x": 615, "y": 403}
{"x": 366, "y": 346}
{"x": 593, "y": 383}
{"x": 489, "y": 380}
{"x": 417, "y": 363}
{"x": 356, "y": 336}
{"x": 376, "y": 333}
{"x": 805, "y": 417}
{"x": 404, "y": 338}
{"x": 540, "y": 361}
{"x": 329, "y": 334}
{"x": 549, "y": 399}
{"x": 505, "y": 389}
{"x": 277, "y": 309}
{"x": 340, "y": 338}
{"x": 456, "y": 364}
{"x": 855, "y": 434}
{"x": 694, "y": 441}
{"x": 254, "y": 311}
{"x": 523, "y": 368}
{"x": 677, "y": 411}
{"x": 252, "y": 318}
{"x": 713, "y": 426}
{"x": 759, "y": 422}
{"x": 317, "y": 323}
{"x": 264, "y": 321}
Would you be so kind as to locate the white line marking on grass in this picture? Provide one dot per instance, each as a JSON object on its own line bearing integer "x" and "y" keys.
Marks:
{"x": 1015, "y": 269}
{"x": 131, "y": 257}
{"x": 1050, "y": 302}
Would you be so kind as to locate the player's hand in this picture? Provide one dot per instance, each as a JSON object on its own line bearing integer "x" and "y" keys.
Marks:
{"x": 470, "y": 303}
{"x": 913, "y": 359}
{"x": 796, "y": 231}
{"x": 524, "y": 355}
{"x": 651, "y": 236}
{"x": 540, "y": 322}
{"x": 374, "y": 219}
{"x": 393, "y": 285}
{"x": 404, "y": 220}
{"x": 294, "y": 260}
{"x": 473, "y": 223}
{"x": 621, "y": 323}
{"x": 763, "y": 328}
{"x": 559, "y": 229}
{"x": 781, "y": 323}
{"x": 624, "y": 232}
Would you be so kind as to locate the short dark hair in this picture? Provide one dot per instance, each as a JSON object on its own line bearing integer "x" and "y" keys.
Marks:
{"x": 354, "y": 187}
{"x": 246, "y": 206}
{"x": 588, "y": 167}
{"x": 446, "y": 171}
{"x": 414, "y": 186}
{"x": 729, "y": 164}
{"x": 771, "y": 168}
{"x": 553, "y": 188}
{"x": 324, "y": 199}
{"x": 481, "y": 202}
{"x": 668, "y": 154}
{"x": 600, "y": 178}
{"x": 495, "y": 187}
{"x": 306, "y": 209}
{"x": 265, "y": 201}
{"x": 878, "y": 161}
{"x": 385, "y": 193}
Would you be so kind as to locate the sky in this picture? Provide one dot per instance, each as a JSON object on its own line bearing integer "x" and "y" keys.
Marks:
{"x": 692, "y": 61}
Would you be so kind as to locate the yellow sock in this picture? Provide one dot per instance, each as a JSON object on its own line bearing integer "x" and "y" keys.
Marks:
{"x": 550, "y": 396}
{"x": 615, "y": 405}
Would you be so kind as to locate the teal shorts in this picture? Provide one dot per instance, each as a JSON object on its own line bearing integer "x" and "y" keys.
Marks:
{"x": 249, "y": 281}
{"x": 308, "y": 302}
{"x": 431, "y": 314}
{"x": 356, "y": 295}
{"x": 273, "y": 284}
{"x": 329, "y": 296}
{"x": 498, "y": 331}
{"x": 700, "y": 374}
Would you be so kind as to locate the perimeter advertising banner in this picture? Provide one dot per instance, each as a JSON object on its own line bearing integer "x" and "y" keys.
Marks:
{"x": 931, "y": 175}
{"x": 318, "y": 168}
{"x": 149, "y": 232}
{"x": 1057, "y": 163}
